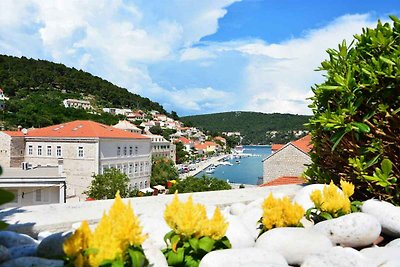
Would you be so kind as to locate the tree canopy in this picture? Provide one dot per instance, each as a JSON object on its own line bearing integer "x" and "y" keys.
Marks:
{"x": 162, "y": 170}
{"x": 204, "y": 183}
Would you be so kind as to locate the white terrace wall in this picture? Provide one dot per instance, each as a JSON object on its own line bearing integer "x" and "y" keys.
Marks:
{"x": 60, "y": 217}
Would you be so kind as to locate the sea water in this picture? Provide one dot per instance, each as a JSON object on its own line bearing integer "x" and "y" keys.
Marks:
{"x": 246, "y": 170}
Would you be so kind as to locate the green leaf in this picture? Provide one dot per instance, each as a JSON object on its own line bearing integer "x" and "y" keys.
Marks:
{"x": 5, "y": 196}
{"x": 174, "y": 241}
{"x": 225, "y": 241}
{"x": 206, "y": 243}
{"x": 194, "y": 243}
{"x": 326, "y": 215}
{"x": 137, "y": 257}
{"x": 191, "y": 262}
{"x": 331, "y": 87}
{"x": 90, "y": 251}
{"x": 362, "y": 127}
{"x": 168, "y": 236}
{"x": 386, "y": 60}
{"x": 176, "y": 258}
{"x": 3, "y": 225}
{"x": 386, "y": 166}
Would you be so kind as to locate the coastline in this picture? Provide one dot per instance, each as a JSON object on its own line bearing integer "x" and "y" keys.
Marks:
{"x": 203, "y": 165}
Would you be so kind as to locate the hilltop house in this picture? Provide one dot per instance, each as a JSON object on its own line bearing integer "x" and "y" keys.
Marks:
{"x": 287, "y": 160}
{"x": 3, "y": 99}
{"x": 75, "y": 103}
{"x": 86, "y": 148}
{"x": 127, "y": 126}
{"x": 188, "y": 144}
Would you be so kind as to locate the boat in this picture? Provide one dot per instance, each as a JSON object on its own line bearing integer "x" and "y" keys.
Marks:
{"x": 238, "y": 150}
{"x": 210, "y": 169}
{"x": 237, "y": 161}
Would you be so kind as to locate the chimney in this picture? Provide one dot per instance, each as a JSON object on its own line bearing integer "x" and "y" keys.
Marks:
{"x": 19, "y": 128}
{"x": 60, "y": 163}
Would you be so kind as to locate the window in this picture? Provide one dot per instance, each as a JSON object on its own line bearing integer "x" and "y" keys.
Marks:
{"x": 130, "y": 150}
{"x": 48, "y": 150}
{"x": 141, "y": 166}
{"x": 124, "y": 150}
{"x": 39, "y": 150}
{"x": 125, "y": 169}
{"x": 30, "y": 150}
{"x": 145, "y": 183}
{"x": 41, "y": 195}
{"x": 130, "y": 168}
{"x": 119, "y": 151}
{"x": 58, "y": 151}
{"x": 136, "y": 150}
{"x": 141, "y": 185}
{"x": 136, "y": 167}
{"x": 136, "y": 185}
{"x": 80, "y": 152}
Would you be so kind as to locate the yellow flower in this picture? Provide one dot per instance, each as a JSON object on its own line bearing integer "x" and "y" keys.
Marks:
{"x": 216, "y": 227}
{"x": 78, "y": 243}
{"x": 347, "y": 188}
{"x": 111, "y": 238}
{"x": 189, "y": 219}
{"x": 280, "y": 213}
{"x": 332, "y": 200}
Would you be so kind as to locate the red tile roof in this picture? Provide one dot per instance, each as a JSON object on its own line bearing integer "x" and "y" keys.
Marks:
{"x": 199, "y": 146}
{"x": 276, "y": 147}
{"x": 304, "y": 143}
{"x": 76, "y": 129}
{"x": 13, "y": 133}
{"x": 284, "y": 180}
{"x": 183, "y": 140}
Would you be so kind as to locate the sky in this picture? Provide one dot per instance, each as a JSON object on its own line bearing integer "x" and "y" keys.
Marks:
{"x": 191, "y": 56}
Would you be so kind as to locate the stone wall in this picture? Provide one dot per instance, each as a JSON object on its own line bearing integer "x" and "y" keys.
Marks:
{"x": 60, "y": 217}
{"x": 5, "y": 143}
{"x": 17, "y": 151}
{"x": 289, "y": 161}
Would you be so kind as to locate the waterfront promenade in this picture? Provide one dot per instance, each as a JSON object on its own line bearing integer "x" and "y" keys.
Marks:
{"x": 202, "y": 165}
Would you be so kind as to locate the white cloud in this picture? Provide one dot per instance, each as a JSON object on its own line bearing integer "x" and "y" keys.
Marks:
{"x": 195, "y": 54}
{"x": 280, "y": 76}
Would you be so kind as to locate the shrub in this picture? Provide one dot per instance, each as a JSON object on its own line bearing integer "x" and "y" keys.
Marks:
{"x": 356, "y": 124}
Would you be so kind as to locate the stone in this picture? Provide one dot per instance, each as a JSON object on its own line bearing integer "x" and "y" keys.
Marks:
{"x": 156, "y": 227}
{"x": 243, "y": 257}
{"x": 12, "y": 239}
{"x": 156, "y": 257}
{"x": 351, "y": 230}
{"x": 394, "y": 243}
{"x": 4, "y": 254}
{"x": 43, "y": 235}
{"x": 23, "y": 251}
{"x": 302, "y": 196}
{"x": 238, "y": 234}
{"x": 250, "y": 220}
{"x": 338, "y": 257}
{"x": 381, "y": 255}
{"x": 387, "y": 214}
{"x": 237, "y": 208}
{"x": 52, "y": 246}
{"x": 294, "y": 243}
{"x": 32, "y": 262}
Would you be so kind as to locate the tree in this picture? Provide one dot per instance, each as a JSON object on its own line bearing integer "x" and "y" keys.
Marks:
{"x": 156, "y": 130}
{"x": 106, "y": 185}
{"x": 174, "y": 115}
{"x": 355, "y": 129}
{"x": 204, "y": 183}
{"x": 162, "y": 170}
{"x": 181, "y": 153}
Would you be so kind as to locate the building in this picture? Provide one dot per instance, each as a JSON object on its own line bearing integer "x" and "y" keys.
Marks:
{"x": 34, "y": 186}
{"x": 127, "y": 126}
{"x": 187, "y": 144}
{"x": 87, "y": 148}
{"x": 75, "y": 103}
{"x": 289, "y": 160}
{"x": 118, "y": 111}
{"x": 160, "y": 147}
{"x": 3, "y": 100}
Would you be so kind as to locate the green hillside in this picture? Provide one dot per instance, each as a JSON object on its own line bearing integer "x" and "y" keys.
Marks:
{"x": 254, "y": 127}
{"x": 37, "y": 88}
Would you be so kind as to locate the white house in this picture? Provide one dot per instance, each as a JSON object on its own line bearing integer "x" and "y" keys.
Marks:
{"x": 88, "y": 148}
{"x": 3, "y": 99}
{"x": 75, "y": 103}
{"x": 118, "y": 111}
{"x": 34, "y": 186}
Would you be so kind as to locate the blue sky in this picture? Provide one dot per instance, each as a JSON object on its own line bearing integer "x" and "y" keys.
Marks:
{"x": 193, "y": 56}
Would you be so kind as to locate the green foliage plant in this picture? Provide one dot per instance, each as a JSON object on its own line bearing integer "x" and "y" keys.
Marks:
{"x": 200, "y": 184}
{"x": 106, "y": 185}
{"x": 356, "y": 124}
{"x": 162, "y": 170}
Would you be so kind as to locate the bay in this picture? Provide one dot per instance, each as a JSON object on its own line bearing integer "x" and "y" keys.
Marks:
{"x": 247, "y": 171}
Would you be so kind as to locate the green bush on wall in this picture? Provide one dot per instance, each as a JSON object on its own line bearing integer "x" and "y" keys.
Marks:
{"x": 356, "y": 124}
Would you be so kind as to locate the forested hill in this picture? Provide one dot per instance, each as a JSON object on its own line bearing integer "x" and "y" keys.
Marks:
{"x": 27, "y": 81}
{"x": 253, "y": 126}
